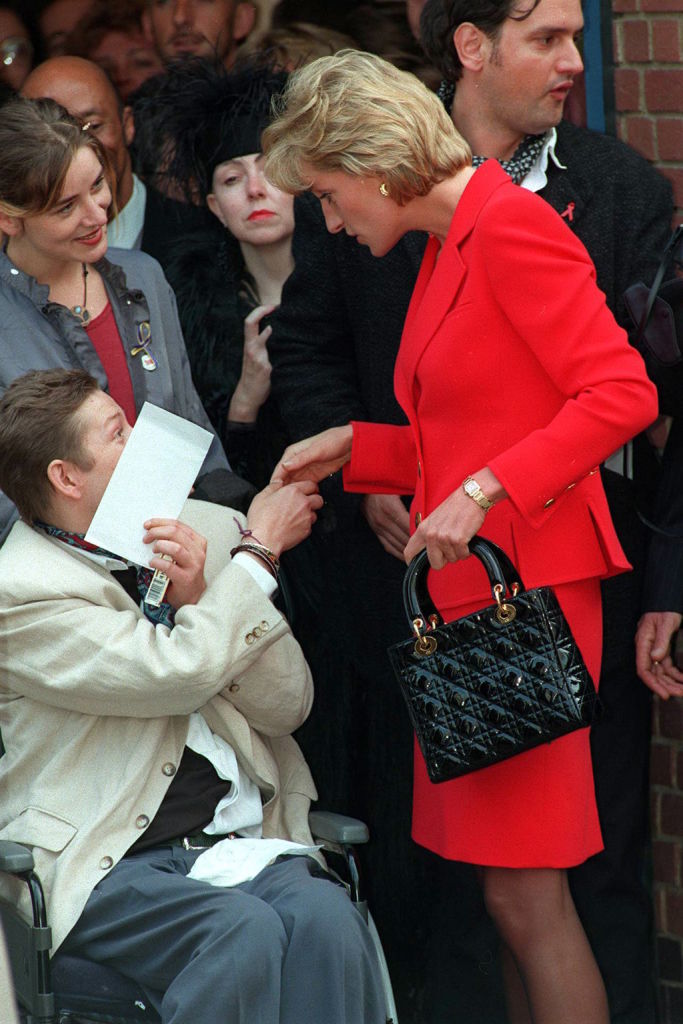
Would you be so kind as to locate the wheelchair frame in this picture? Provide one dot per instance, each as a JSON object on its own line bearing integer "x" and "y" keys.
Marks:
{"x": 29, "y": 943}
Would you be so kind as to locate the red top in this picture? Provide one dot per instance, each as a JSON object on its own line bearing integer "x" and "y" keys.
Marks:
{"x": 104, "y": 334}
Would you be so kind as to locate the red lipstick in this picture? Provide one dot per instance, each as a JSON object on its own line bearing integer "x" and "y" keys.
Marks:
{"x": 94, "y": 238}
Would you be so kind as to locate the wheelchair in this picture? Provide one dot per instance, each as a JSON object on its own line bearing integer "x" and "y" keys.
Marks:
{"x": 71, "y": 990}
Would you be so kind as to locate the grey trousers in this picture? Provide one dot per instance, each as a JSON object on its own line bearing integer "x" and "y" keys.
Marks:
{"x": 286, "y": 948}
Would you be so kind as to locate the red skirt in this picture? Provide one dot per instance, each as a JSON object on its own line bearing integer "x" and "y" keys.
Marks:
{"x": 535, "y": 810}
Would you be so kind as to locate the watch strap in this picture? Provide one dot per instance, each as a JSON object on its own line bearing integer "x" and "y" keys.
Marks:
{"x": 474, "y": 491}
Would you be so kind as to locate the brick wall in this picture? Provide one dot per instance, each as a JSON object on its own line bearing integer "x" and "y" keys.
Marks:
{"x": 666, "y": 768}
{"x": 648, "y": 84}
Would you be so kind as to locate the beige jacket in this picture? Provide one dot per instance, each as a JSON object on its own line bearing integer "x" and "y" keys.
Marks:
{"x": 94, "y": 704}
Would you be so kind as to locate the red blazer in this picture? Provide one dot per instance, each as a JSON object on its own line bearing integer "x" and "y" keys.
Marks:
{"x": 510, "y": 359}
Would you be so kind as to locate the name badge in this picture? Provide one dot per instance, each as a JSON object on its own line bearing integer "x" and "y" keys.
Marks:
{"x": 158, "y": 586}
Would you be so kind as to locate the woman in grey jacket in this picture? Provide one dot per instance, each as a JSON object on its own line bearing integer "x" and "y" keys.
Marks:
{"x": 62, "y": 303}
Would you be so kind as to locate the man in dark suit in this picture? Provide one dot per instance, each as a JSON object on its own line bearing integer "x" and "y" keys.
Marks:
{"x": 663, "y": 592}
{"x": 333, "y": 348}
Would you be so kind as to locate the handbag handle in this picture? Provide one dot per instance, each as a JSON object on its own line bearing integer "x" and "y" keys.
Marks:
{"x": 670, "y": 257}
{"x": 417, "y": 600}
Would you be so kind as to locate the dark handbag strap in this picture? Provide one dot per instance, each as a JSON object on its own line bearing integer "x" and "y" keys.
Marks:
{"x": 667, "y": 259}
{"x": 417, "y": 600}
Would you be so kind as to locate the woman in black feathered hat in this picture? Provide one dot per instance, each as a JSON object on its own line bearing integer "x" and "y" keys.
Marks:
{"x": 228, "y": 279}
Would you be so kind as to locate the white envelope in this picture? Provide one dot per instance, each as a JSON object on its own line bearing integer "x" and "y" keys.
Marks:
{"x": 153, "y": 478}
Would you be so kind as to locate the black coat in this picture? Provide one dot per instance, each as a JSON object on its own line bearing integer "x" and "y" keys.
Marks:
{"x": 664, "y": 573}
{"x": 206, "y": 272}
{"x": 166, "y": 221}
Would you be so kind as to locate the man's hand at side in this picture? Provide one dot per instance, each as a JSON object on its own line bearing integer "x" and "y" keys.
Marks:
{"x": 653, "y": 653}
{"x": 388, "y": 518}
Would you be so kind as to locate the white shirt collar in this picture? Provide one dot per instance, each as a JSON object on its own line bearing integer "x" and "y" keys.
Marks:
{"x": 125, "y": 231}
{"x": 537, "y": 177}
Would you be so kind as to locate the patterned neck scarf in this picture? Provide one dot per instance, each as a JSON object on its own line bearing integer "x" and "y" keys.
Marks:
{"x": 523, "y": 158}
{"x": 164, "y": 614}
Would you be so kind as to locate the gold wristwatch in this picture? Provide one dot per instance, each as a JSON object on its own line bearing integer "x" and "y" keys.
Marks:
{"x": 474, "y": 491}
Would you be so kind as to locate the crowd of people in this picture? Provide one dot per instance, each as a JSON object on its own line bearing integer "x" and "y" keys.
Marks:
{"x": 362, "y": 246}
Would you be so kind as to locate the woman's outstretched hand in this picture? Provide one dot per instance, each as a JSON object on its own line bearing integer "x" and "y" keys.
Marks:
{"x": 315, "y": 457}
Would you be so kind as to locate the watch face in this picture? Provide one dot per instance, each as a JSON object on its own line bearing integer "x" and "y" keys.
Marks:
{"x": 472, "y": 488}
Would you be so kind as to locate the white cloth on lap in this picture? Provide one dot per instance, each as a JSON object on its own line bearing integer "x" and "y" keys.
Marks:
{"x": 232, "y": 861}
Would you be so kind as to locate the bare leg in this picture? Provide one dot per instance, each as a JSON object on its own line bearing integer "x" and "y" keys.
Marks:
{"x": 536, "y": 918}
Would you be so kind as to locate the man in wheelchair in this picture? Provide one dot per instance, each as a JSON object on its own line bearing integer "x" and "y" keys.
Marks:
{"x": 137, "y": 736}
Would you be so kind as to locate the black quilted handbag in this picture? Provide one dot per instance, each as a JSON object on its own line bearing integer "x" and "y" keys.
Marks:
{"x": 494, "y": 683}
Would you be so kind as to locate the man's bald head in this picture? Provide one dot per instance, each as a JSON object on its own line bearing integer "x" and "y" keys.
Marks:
{"x": 63, "y": 76}
{"x": 85, "y": 91}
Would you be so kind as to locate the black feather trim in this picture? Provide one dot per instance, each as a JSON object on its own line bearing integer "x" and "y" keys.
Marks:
{"x": 203, "y": 115}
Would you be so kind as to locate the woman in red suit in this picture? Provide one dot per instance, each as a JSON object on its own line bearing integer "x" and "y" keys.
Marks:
{"x": 517, "y": 383}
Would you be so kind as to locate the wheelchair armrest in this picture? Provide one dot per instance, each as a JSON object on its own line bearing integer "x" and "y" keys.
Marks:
{"x": 14, "y": 858}
{"x": 28, "y": 943}
{"x": 17, "y": 860}
{"x": 337, "y": 828}
{"x": 339, "y": 834}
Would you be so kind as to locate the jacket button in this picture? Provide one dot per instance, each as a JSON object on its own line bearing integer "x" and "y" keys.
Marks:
{"x": 249, "y": 638}
{"x": 234, "y": 688}
{"x": 106, "y": 863}
{"x": 570, "y": 487}
{"x": 549, "y": 502}
{"x": 264, "y": 626}
{"x": 593, "y": 471}
{"x": 169, "y": 769}
{"x": 419, "y": 470}
{"x": 142, "y": 821}
{"x": 418, "y": 518}
{"x": 257, "y": 632}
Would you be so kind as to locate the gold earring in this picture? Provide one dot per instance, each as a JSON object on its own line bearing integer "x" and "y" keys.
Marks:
{"x": 384, "y": 190}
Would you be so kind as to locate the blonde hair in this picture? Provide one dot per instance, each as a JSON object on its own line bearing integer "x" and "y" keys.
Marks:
{"x": 356, "y": 113}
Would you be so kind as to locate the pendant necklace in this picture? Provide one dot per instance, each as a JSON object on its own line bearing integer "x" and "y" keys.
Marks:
{"x": 80, "y": 312}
